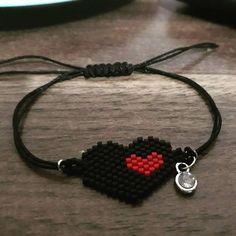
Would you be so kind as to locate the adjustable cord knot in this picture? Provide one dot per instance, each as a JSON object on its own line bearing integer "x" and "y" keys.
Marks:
{"x": 72, "y": 166}
{"x": 108, "y": 70}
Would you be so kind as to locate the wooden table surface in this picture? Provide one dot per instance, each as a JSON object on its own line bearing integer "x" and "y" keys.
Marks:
{"x": 74, "y": 115}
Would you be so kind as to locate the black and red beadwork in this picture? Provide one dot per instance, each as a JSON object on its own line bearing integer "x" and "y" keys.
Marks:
{"x": 128, "y": 173}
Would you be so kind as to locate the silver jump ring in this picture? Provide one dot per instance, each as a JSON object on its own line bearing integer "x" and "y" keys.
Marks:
{"x": 184, "y": 168}
{"x": 196, "y": 154}
{"x": 59, "y": 165}
{"x": 193, "y": 162}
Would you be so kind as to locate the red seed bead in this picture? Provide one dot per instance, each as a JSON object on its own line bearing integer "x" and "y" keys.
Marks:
{"x": 139, "y": 159}
{"x": 150, "y": 163}
{"x": 146, "y": 166}
{"x": 149, "y": 157}
{"x": 154, "y": 154}
{"x": 161, "y": 162}
{"x": 134, "y": 161}
{"x": 151, "y": 169}
{"x": 156, "y": 165}
{"x": 128, "y": 160}
{"x": 133, "y": 155}
{"x": 147, "y": 173}
{"x": 145, "y": 161}
{"x": 135, "y": 167}
{"x": 155, "y": 160}
{"x": 129, "y": 165}
{"x": 141, "y": 170}
{"x": 160, "y": 156}
{"x": 140, "y": 164}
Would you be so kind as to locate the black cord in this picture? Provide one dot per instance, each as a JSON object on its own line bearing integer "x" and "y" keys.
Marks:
{"x": 102, "y": 70}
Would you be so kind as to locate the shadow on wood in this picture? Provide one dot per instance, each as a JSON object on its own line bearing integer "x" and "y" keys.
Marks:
{"x": 222, "y": 12}
{"x": 29, "y": 17}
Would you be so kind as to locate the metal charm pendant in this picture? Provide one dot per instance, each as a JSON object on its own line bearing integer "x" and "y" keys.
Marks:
{"x": 185, "y": 181}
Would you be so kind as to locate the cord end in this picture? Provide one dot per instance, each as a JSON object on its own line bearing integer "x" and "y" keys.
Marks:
{"x": 207, "y": 45}
{"x": 213, "y": 45}
{"x": 71, "y": 167}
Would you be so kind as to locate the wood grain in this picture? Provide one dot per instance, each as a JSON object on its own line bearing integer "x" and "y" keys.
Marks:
{"x": 74, "y": 115}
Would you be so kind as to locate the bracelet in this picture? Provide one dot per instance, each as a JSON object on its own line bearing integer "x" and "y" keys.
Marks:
{"x": 128, "y": 173}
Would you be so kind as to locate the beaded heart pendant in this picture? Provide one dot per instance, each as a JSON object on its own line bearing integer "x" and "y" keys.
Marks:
{"x": 129, "y": 173}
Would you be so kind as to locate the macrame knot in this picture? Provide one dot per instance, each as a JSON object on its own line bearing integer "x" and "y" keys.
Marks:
{"x": 108, "y": 70}
{"x": 72, "y": 166}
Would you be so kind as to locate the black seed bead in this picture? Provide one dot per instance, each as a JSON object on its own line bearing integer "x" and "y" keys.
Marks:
{"x": 140, "y": 139}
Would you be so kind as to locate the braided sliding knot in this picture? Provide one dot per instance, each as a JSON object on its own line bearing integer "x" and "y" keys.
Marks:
{"x": 72, "y": 166}
{"x": 108, "y": 70}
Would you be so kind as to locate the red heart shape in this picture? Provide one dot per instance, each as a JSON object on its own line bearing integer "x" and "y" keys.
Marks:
{"x": 146, "y": 165}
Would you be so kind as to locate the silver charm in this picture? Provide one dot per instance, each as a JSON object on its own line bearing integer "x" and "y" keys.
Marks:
{"x": 185, "y": 181}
